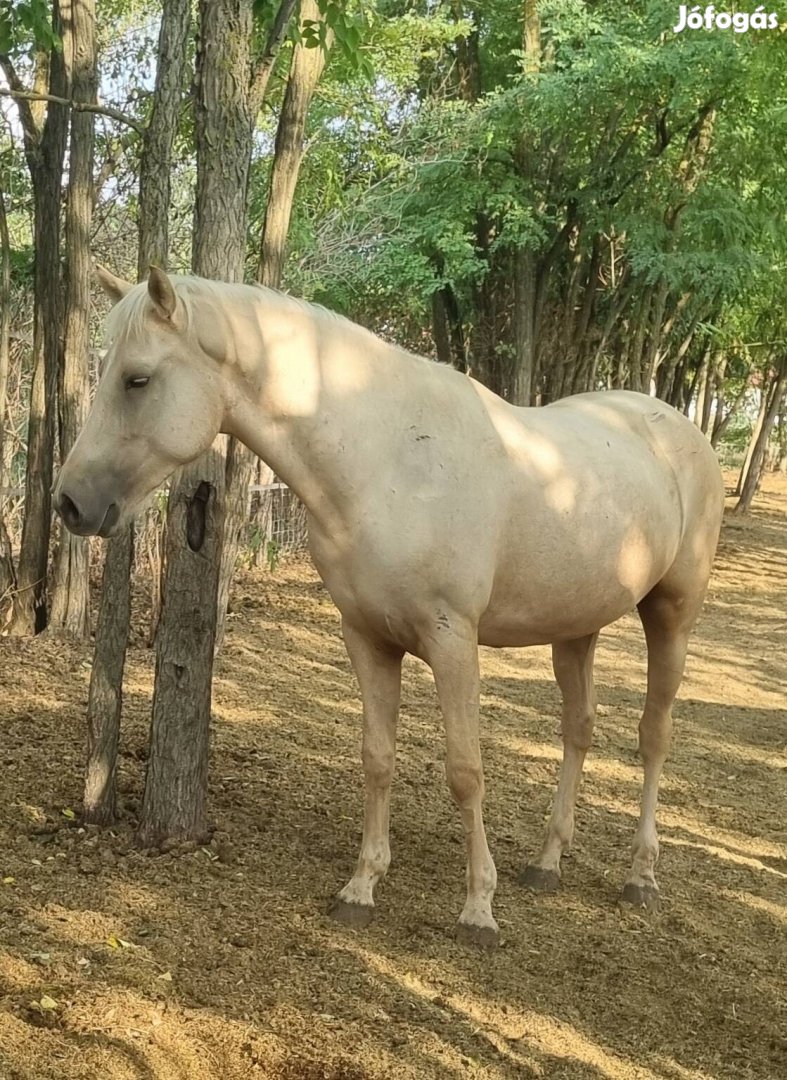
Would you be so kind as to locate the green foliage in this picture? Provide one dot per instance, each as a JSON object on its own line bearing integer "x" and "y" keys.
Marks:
{"x": 411, "y": 187}
{"x": 25, "y": 22}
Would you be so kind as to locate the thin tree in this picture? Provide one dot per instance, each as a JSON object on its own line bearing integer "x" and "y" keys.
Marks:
{"x": 306, "y": 67}
{"x": 773, "y": 394}
{"x": 7, "y": 575}
{"x": 228, "y": 94}
{"x": 106, "y": 679}
{"x": 308, "y": 63}
{"x": 44, "y": 144}
{"x": 70, "y": 614}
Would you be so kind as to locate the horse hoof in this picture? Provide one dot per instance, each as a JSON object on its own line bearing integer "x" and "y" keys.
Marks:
{"x": 640, "y": 896}
{"x": 482, "y": 937}
{"x": 540, "y": 880}
{"x": 356, "y": 915}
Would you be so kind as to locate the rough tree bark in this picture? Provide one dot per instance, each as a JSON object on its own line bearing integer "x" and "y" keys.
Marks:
{"x": 176, "y": 784}
{"x": 45, "y": 144}
{"x": 228, "y": 95}
{"x": 525, "y": 263}
{"x": 755, "y": 433}
{"x": 305, "y": 70}
{"x": 447, "y": 330}
{"x": 106, "y": 680}
{"x": 70, "y": 614}
{"x": 7, "y": 575}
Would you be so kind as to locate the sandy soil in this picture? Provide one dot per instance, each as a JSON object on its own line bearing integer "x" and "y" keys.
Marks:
{"x": 220, "y": 962}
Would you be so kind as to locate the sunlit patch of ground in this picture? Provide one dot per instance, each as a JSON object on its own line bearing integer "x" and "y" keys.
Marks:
{"x": 220, "y": 963}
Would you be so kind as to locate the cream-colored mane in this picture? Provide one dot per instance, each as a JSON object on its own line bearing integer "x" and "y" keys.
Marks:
{"x": 127, "y": 318}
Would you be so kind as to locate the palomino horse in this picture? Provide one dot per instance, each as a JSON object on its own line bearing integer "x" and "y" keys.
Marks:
{"x": 440, "y": 517}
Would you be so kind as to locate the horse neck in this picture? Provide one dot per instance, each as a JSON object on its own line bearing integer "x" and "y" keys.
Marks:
{"x": 309, "y": 391}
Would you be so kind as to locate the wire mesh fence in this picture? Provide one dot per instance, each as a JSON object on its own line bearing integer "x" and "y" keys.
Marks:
{"x": 276, "y": 523}
{"x": 275, "y": 526}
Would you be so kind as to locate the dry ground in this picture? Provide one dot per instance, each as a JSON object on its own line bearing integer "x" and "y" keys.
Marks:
{"x": 220, "y": 963}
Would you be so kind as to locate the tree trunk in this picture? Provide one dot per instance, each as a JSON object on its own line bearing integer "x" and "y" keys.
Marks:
{"x": 5, "y": 322}
{"x": 722, "y": 420}
{"x": 105, "y": 696}
{"x": 45, "y": 153}
{"x": 447, "y": 329}
{"x": 781, "y": 460}
{"x": 176, "y": 783}
{"x": 524, "y": 327}
{"x": 754, "y": 438}
{"x": 70, "y": 615}
{"x": 637, "y": 344}
{"x": 751, "y": 479}
{"x": 7, "y": 575}
{"x": 305, "y": 70}
{"x": 156, "y": 164}
{"x": 442, "y": 342}
{"x": 704, "y": 407}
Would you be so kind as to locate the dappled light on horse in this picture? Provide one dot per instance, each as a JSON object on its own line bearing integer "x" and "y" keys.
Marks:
{"x": 440, "y": 517}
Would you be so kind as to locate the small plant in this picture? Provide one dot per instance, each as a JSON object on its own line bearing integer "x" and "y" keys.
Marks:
{"x": 272, "y": 554}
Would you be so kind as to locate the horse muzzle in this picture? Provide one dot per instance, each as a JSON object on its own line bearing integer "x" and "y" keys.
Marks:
{"x": 84, "y": 516}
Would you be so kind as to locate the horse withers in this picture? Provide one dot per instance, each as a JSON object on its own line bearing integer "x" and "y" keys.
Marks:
{"x": 440, "y": 518}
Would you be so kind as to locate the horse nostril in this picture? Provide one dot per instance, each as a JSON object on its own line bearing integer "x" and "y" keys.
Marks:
{"x": 69, "y": 512}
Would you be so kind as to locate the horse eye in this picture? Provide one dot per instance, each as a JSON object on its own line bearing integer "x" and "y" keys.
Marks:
{"x": 138, "y": 382}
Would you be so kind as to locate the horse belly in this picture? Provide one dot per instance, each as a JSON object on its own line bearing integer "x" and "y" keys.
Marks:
{"x": 572, "y": 581}
{"x": 558, "y": 616}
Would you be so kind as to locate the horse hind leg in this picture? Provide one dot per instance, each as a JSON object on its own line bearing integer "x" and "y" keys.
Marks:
{"x": 572, "y": 662}
{"x": 668, "y": 614}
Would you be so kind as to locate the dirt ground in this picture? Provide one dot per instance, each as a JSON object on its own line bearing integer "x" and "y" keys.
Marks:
{"x": 220, "y": 963}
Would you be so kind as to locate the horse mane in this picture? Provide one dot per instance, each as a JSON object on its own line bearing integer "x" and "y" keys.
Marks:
{"x": 127, "y": 318}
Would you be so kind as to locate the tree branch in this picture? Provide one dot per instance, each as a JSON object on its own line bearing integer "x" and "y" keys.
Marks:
{"x": 264, "y": 66}
{"x": 25, "y": 96}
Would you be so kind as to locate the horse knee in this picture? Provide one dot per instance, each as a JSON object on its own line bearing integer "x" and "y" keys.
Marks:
{"x": 378, "y": 766}
{"x": 655, "y": 736}
{"x": 466, "y": 782}
{"x": 577, "y": 729}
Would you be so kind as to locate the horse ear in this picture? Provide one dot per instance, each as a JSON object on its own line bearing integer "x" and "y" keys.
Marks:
{"x": 161, "y": 293}
{"x": 115, "y": 287}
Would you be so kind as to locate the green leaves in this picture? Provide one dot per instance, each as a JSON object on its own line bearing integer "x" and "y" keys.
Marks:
{"x": 24, "y": 23}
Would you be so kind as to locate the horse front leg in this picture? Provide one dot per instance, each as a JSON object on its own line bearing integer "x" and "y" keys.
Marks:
{"x": 572, "y": 663}
{"x": 453, "y": 657}
{"x": 379, "y": 672}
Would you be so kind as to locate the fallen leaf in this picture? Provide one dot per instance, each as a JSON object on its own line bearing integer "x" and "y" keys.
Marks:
{"x": 166, "y": 977}
{"x": 47, "y": 1002}
{"x": 9, "y": 880}
{"x": 67, "y": 812}
{"x": 113, "y": 942}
